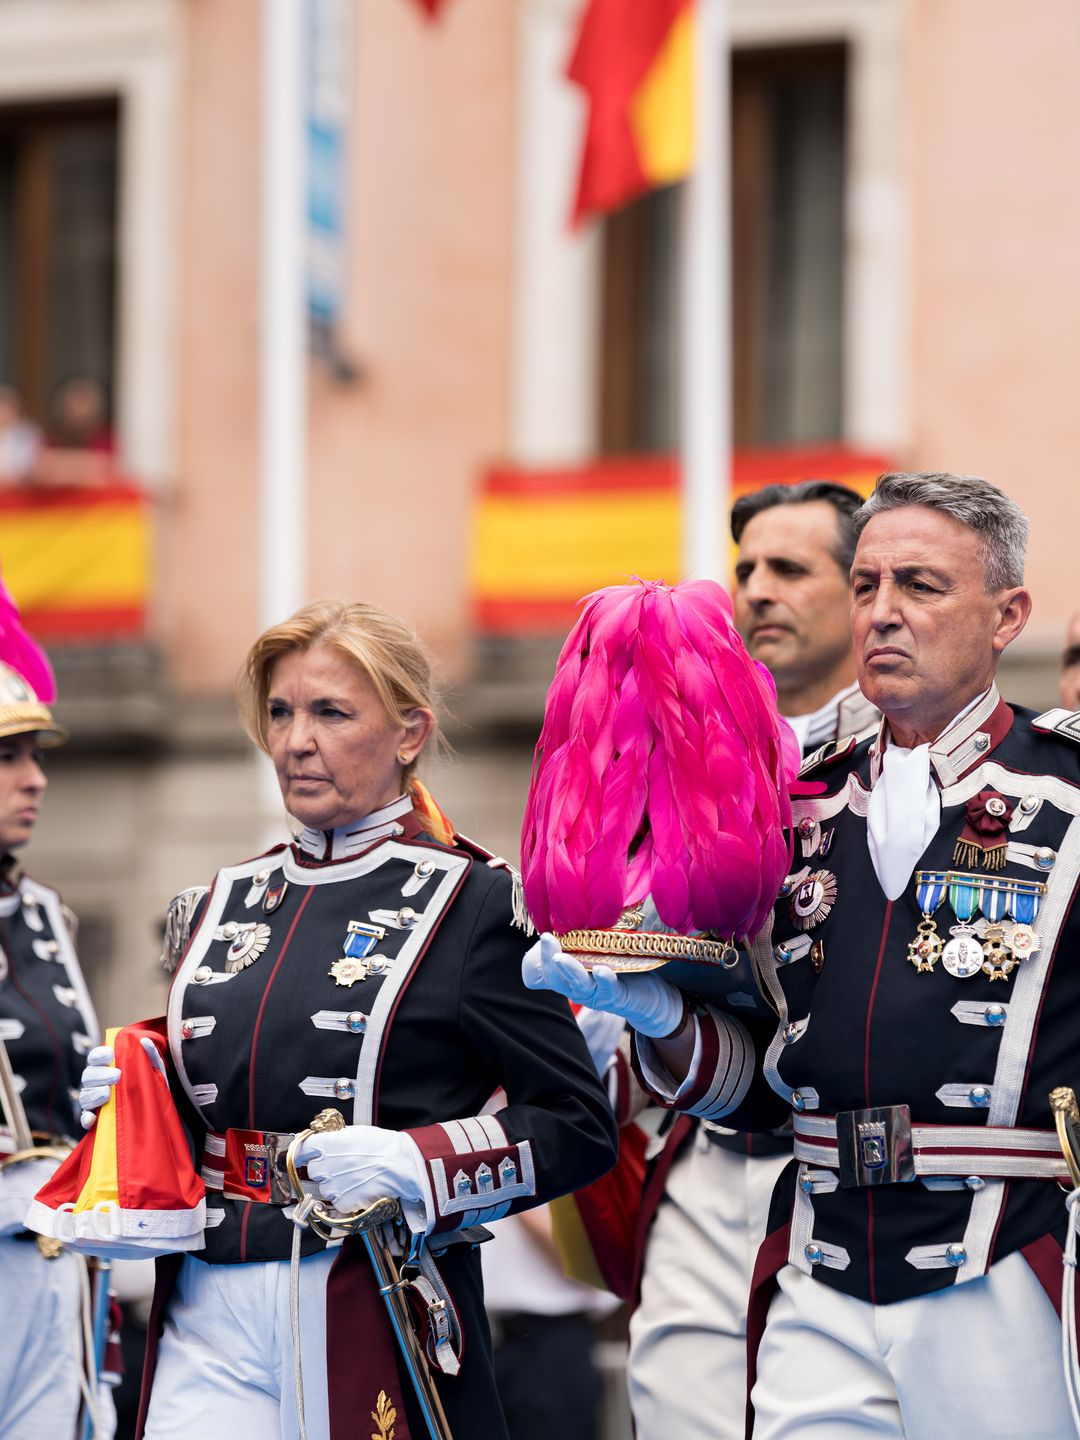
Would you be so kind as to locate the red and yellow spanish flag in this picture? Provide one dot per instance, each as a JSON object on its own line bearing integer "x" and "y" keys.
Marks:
{"x": 635, "y": 60}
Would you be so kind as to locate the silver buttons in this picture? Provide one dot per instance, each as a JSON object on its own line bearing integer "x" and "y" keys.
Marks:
{"x": 955, "y": 1254}
{"x": 798, "y": 1100}
{"x": 979, "y": 1095}
{"x": 807, "y": 826}
{"x": 424, "y": 868}
{"x": 187, "y": 1029}
{"x": 230, "y": 930}
{"x": 975, "y": 1182}
{"x": 344, "y": 1088}
{"x": 982, "y": 741}
{"x": 791, "y": 1033}
{"x": 356, "y": 1021}
{"x": 994, "y": 1014}
{"x": 261, "y": 877}
{"x": 806, "y": 1185}
{"x": 996, "y": 806}
{"x": 814, "y": 1253}
{"x": 407, "y": 917}
{"x": 202, "y": 975}
{"x": 1029, "y": 803}
{"x": 783, "y": 954}
{"x": 1045, "y": 857}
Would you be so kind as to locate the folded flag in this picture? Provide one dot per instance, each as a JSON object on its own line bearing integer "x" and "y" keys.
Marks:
{"x": 129, "y": 1187}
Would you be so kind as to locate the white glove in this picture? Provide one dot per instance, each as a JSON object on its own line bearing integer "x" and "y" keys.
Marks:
{"x": 101, "y": 1074}
{"x": 354, "y": 1167}
{"x": 602, "y": 1034}
{"x": 648, "y": 1004}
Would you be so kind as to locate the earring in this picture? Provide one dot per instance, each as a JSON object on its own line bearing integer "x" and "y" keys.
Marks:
{"x": 402, "y": 759}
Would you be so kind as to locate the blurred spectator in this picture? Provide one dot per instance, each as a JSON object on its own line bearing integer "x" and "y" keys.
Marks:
{"x": 20, "y": 440}
{"x": 542, "y": 1333}
{"x": 1069, "y": 684}
{"x": 81, "y": 441}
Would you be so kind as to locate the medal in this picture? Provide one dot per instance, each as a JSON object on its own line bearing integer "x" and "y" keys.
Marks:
{"x": 962, "y": 956}
{"x": 1023, "y": 941}
{"x": 360, "y": 941}
{"x": 998, "y": 963}
{"x": 826, "y": 843}
{"x": 246, "y": 943}
{"x": 817, "y": 954}
{"x": 813, "y": 898}
{"x": 925, "y": 950}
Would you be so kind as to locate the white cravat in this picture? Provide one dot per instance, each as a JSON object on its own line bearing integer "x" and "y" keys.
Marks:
{"x": 904, "y": 811}
{"x": 903, "y": 815}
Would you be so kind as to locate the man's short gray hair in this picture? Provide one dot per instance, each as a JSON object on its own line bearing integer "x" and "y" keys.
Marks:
{"x": 999, "y": 522}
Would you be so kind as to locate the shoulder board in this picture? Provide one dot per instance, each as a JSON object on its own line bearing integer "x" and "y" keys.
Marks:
{"x": 71, "y": 920}
{"x": 830, "y": 752}
{"x": 178, "y": 920}
{"x": 1059, "y": 722}
{"x": 496, "y": 862}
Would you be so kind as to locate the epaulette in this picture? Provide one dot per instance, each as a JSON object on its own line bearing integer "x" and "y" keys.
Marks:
{"x": 71, "y": 920}
{"x": 496, "y": 862}
{"x": 828, "y": 753}
{"x": 178, "y": 918}
{"x": 1059, "y": 722}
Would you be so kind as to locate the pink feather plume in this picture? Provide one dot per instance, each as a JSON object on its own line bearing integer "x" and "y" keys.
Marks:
{"x": 659, "y": 729}
{"x": 22, "y": 653}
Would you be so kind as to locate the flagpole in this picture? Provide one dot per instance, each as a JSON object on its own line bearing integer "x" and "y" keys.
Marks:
{"x": 284, "y": 355}
{"x": 705, "y": 306}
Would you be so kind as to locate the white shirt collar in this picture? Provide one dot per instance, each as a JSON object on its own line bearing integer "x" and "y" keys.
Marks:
{"x": 848, "y": 712}
{"x": 350, "y": 839}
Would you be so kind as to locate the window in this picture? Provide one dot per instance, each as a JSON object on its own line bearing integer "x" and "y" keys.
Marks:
{"x": 788, "y": 163}
{"x": 58, "y": 209}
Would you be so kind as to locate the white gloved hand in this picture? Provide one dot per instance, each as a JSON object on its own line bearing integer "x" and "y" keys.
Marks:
{"x": 648, "y": 1004}
{"x": 602, "y": 1034}
{"x": 101, "y": 1075}
{"x": 354, "y": 1167}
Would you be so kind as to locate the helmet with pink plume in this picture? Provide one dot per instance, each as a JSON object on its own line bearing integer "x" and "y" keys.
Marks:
{"x": 661, "y": 769}
{"x": 26, "y": 680}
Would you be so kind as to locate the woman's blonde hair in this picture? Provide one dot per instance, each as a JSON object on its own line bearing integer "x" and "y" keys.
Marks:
{"x": 387, "y": 651}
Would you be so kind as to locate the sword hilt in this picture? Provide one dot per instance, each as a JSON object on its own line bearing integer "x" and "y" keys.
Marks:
{"x": 324, "y": 1220}
{"x": 1066, "y": 1112}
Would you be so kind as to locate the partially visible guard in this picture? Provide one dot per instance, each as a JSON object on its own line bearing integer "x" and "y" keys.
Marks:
{"x": 47, "y": 1028}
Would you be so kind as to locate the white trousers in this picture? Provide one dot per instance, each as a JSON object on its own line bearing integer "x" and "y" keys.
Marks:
{"x": 687, "y": 1366}
{"x": 225, "y": 1360}
{"x": 981, "y": 1360}
{"x": 41, "y": 1346}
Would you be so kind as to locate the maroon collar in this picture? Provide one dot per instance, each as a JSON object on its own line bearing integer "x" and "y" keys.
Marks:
{"x": 965, "y": 744}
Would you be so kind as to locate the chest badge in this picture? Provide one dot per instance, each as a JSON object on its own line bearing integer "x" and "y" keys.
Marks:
{"x": 813, "y": 898}
{"x": 246, "y": 943}
{"x": 273, "y": 896}
{"x": 360, "y": 940}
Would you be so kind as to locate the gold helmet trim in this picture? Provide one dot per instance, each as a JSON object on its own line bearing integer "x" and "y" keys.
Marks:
{"x": 26, "y": 718}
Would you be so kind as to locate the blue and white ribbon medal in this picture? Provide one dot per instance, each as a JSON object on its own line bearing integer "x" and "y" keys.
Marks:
{"x": 925, "y": 950}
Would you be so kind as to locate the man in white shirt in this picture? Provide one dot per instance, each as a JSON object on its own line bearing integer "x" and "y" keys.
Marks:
{"x": 921, "y": 964}
{"x": 687, "y": 1365}
{"x": 792, "y": 603}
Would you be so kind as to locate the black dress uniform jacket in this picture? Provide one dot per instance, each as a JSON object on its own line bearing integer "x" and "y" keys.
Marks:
{"x": 47, "y": 1020}
{"x": 431, "y": 1032}
{"x": 859, "y": 1026}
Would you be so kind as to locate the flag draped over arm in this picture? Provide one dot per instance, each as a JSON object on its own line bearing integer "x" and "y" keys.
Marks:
{"x": 635, "y": 61}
